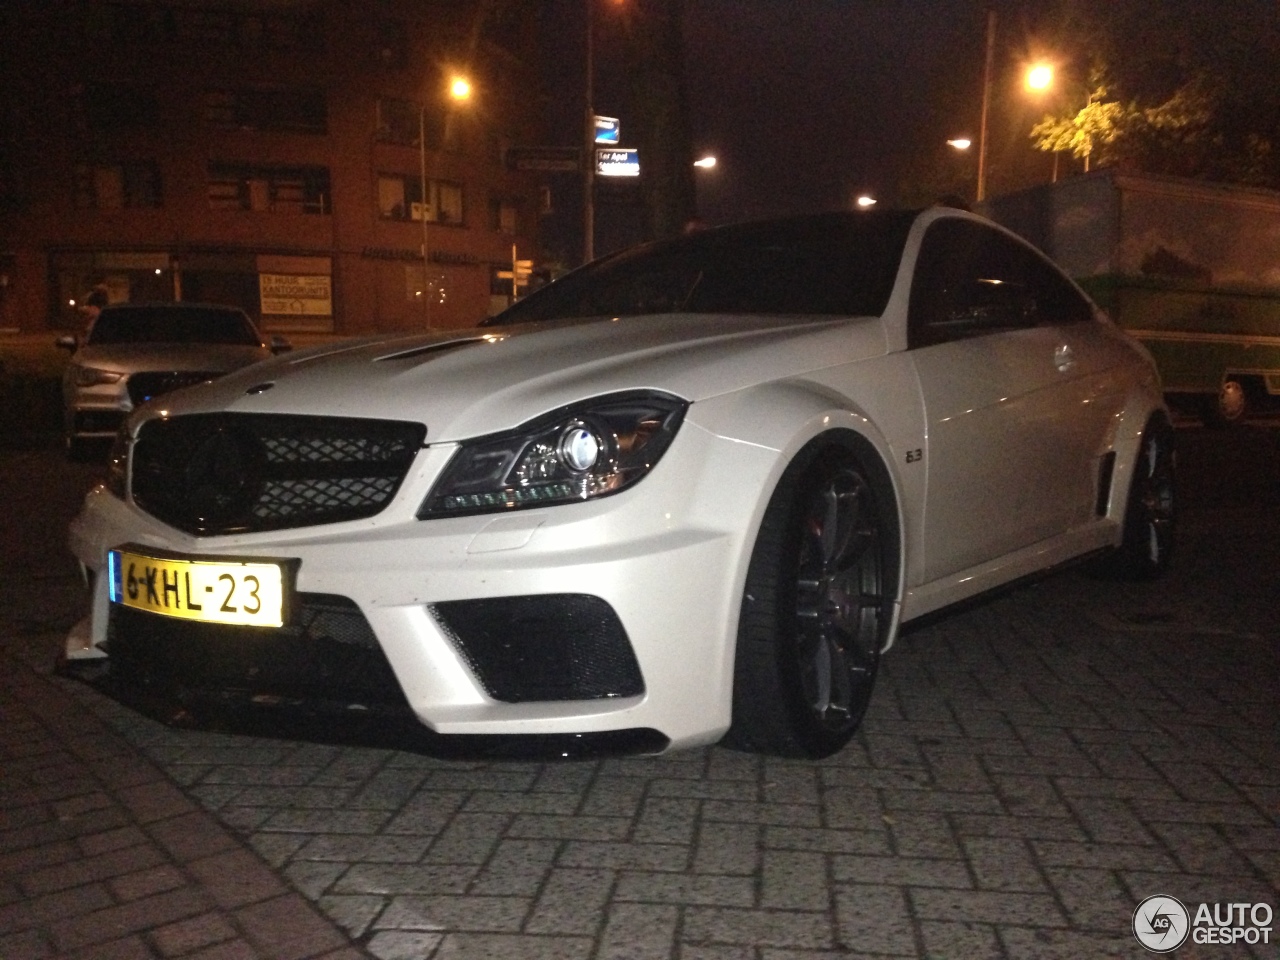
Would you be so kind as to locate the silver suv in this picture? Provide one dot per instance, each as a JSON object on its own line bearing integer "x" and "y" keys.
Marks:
{"x": 135, "y": 351}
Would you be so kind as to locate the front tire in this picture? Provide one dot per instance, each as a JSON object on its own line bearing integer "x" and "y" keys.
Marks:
{"x": 816, "y": 611}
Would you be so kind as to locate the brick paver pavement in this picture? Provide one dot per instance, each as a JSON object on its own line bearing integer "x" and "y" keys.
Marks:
{"x": 1030, "y": 770}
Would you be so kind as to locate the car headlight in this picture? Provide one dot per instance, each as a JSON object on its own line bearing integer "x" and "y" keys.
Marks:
{"x": 93, "y": 376}
{"x": 584, "y": 451}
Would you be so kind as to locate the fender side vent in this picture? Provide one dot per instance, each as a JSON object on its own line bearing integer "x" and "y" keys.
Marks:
{"x": 1106, "y": 472}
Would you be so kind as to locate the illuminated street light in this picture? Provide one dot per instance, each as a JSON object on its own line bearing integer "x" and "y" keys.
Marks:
{"x": 459, "y": 92}
{"x": 706, "y": 163}
{"x": 960, "y": 143}
{"x": 460, "y": 88}
{"x": 1039, "y": 76}
{"x": 865, "y": 202}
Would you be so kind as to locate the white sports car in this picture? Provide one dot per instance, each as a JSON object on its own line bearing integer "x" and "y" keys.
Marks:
{"x": 686, "y": 494}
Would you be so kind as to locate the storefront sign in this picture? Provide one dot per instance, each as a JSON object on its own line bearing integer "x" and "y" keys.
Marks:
{"x": 296, "y": 295}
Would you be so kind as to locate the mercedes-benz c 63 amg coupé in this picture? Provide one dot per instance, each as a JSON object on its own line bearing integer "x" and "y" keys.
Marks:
{"x": 686, "y": 494}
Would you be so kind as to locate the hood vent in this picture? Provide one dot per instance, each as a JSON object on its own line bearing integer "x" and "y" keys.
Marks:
{"x": 432, "y": 349}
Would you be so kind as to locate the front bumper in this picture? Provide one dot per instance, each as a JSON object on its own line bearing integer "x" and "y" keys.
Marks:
{"x": 665, "y": 558}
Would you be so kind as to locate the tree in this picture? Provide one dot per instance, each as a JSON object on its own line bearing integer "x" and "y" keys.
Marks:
{"x": 1182, "y": 136}
{"x": 1098, "y": 125}
{"x": 1189, "y": 87}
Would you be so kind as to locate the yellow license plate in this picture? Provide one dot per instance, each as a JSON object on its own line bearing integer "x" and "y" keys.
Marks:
{"x": 245, "y": 593}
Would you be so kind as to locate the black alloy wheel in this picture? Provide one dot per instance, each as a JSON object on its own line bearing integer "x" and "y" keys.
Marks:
{"x": 816, "y": 612}
{"x": 838, "y": 599}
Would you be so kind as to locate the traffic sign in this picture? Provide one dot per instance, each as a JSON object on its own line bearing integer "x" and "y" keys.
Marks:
{"x": 617, "y": 162}
{"x": 608, "y": 131}
{"x": 545, "y": 159}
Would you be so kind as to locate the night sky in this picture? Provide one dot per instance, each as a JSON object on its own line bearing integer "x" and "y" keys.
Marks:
{"x": 807, "y": 103}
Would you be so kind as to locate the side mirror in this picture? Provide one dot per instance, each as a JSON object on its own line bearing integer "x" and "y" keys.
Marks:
{"x": 67, "y": 342}
{"x": 280, "y": 344}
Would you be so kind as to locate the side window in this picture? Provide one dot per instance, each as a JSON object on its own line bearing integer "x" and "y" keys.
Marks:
{"x": 971, "y": 281}
{"x": 1057, "y": 299}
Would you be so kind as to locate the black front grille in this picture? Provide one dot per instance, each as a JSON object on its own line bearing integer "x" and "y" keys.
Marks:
{"x": 143, "y": 386}
{"x": 328, "y": 654}
{"x": 563, "y": 646}
{"x": 212, "y": 474}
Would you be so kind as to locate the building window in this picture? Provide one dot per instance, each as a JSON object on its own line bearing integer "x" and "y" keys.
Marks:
{"x": 281, "y": 111}
{"x": 11, "y": 197}
{"x": 400, "y": 198}
{"x": 391, "y": 44}
{"x": 110, "y": 106}
{"x": 211, "y": 27}
{"x": 154, "y": 22}
{"x": 504, "y": 215}
{"x": 275, "y": 189}
{"x": 398, "y": 121}
{"x": 118, "y": 186}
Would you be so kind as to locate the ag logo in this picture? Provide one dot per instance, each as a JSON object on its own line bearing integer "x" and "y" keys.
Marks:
{"x": 1161, "y": 923}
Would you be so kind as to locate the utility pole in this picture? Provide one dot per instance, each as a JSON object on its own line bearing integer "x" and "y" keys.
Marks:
{"x": 589, "y": 147}
{"x": 986, "y": 106}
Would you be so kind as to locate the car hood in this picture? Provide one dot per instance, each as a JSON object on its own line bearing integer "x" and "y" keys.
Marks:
{"x": 187, "y": 357}
{"x": 467, "y": 383}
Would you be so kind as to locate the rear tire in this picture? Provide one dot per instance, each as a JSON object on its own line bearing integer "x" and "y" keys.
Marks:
{"x": 816, "y": 611}
{"x": 1229, "y": 407}
{"x": 1150, "y": 514}
{"x": 79, "y": 450}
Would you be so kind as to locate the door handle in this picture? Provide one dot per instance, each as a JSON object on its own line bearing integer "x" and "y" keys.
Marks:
{"x": 1063, "y": 358}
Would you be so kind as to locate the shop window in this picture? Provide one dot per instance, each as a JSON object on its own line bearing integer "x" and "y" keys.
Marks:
{"x": 434, "y": 287}
{"x": 119, "y": 186}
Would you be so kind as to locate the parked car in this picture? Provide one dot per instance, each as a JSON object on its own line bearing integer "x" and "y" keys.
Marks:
{"x": 685, "y": 494}
{"x": 132, "y": 352}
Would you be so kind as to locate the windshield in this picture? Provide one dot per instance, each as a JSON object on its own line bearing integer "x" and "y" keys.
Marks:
{"x": 841, "y": 264}
{"x": 167, "y": 324}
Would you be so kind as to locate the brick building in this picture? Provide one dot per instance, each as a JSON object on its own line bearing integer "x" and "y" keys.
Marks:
{"x": 265, "y": 153}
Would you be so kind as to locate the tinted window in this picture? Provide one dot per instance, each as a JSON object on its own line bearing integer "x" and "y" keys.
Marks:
{"x": 831, "y": 264}
{"x": 172, "y": 325}
{"x": 972, "y": 280}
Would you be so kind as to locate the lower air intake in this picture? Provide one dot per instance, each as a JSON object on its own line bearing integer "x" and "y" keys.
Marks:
{"x": 562, "y": 646}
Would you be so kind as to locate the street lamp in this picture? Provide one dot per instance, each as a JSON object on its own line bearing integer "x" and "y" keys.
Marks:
{"x": 1039, "y": 77}
{"x": 986, "y": 106}
{"x": 459, "y": 92}
{"x": 1038, "y": 80}
{"x": 706, "y": 163}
